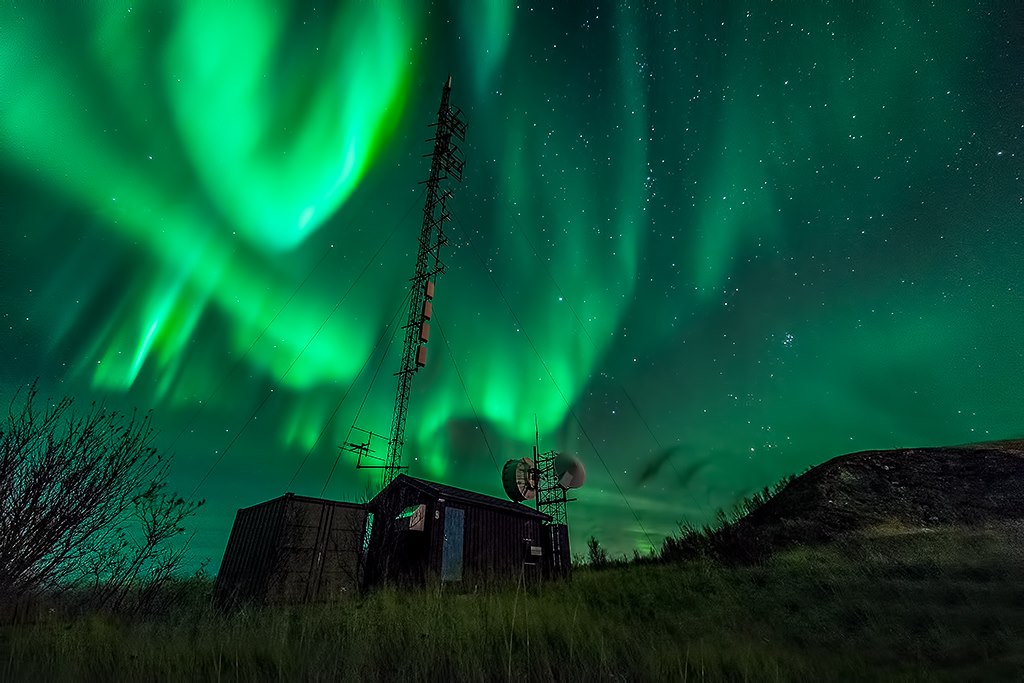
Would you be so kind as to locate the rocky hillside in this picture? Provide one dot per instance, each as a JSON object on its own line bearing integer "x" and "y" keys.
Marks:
{"x": 976, "y": 484}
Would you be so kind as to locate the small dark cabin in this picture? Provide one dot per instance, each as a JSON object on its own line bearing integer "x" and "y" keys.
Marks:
{"x": 296, "y": 549}
{"x": 441, "y": 534}
{"x": 292, "y": 549}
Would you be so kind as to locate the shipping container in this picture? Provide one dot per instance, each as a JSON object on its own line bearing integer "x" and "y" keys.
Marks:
{"x": 428, "y": 533}
{"x": 293, "y": 549}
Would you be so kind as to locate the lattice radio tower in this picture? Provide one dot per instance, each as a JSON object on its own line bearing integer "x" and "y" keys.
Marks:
{"x": 446, "y": 165}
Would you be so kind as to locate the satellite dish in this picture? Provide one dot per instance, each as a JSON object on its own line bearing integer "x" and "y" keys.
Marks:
{"x": 569, "y": 471}
{"x": 519, "y": 478}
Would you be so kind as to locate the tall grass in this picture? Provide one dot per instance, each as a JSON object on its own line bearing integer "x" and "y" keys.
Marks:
{"x": 719, "y": 538}
{"x": 945, "y": 605}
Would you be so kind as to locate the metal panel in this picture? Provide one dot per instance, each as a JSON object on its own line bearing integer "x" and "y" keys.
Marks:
{"x": 324, "y": 560}
{"x": 341, "y": 565}
{"x": 251, "y": 553}
{"x": 293, "y": 549}
{"x": 451, "y": 556}
{"x": 499, "y": 547}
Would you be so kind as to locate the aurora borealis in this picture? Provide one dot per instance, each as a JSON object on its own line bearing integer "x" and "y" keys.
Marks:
{"x": 789, "y": 232}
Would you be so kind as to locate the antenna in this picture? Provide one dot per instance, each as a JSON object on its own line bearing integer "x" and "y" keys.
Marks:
{"x": 536, "y": 436}
{"x": 547, "y": 482}
{"x": 544, "y": 479}
{"x": 569, "y": 471}
{"x": 364, "y": 451}
{"x": 519, "y": 478}
{"x": 551, "y": 495}
{"x": 446, "y": 164}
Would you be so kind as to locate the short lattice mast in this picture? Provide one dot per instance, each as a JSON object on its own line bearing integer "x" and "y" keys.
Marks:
{"x": 446, "y": 165}
{"x": 553, "y": 474}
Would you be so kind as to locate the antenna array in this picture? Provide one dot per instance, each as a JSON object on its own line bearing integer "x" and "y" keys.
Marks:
{"x": 446, "y": 164}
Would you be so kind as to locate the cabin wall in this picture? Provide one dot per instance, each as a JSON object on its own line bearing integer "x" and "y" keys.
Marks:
{"x": 395, "y": 553}
{"x": 292, "y": 549}
{"x": 461, "y": 544}
{"x": 320, "y": 548}
{"x": 341, "y": 570}
{"x": 498, "y": 547}
{"x": 251, "y": 552}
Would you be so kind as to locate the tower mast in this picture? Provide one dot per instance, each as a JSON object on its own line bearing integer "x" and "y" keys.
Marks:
{"x": 446, "y": 164}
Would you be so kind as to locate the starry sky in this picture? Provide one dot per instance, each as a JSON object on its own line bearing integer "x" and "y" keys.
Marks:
{"x": 700, "y": 245}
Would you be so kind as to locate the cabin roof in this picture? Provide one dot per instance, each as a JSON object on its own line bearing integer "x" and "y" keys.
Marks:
{"x": 434, "y": 488}
{"x": 305, "y": 499}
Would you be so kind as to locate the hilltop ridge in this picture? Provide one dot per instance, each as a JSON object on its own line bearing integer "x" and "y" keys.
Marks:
{"x": 910, "y": 488}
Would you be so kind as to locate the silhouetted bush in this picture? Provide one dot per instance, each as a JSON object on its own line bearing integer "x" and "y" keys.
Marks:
{"x": 84, "y": 507}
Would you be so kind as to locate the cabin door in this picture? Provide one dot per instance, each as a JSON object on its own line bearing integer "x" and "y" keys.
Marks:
{"x": 451, "y": 549}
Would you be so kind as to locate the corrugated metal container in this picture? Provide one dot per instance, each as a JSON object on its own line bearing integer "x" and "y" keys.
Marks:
{"x": 293, "y": 549}
{"x": 465, "y": 537}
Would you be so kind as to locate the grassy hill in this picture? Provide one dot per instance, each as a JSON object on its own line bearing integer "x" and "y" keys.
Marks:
{"x": 864, "y": 572}
{"x": 891, "y": 605}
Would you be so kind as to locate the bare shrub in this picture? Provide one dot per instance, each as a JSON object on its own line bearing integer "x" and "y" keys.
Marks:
{"x": 84, "y": 505}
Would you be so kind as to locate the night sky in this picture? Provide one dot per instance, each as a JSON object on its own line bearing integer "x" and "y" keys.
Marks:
{"x": 735, "y": 243}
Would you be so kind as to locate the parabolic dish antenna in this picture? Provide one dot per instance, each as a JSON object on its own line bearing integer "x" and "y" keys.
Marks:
{"x": 519, "y": 478}
{"x": 569, "y": 471}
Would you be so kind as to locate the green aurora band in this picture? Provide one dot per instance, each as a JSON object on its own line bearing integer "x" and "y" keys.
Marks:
{"x": 788, "y": 234}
